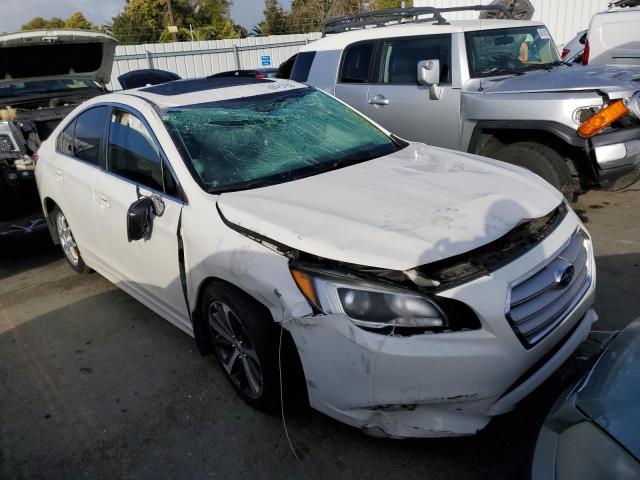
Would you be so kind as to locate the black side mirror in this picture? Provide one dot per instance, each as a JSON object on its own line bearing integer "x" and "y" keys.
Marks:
{"x": 139, "y": 219}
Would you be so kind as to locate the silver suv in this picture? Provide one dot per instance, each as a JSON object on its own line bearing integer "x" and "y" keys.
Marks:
{"x": 493, "y": 87}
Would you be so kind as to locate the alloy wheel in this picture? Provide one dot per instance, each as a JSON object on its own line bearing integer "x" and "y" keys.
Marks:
{"x": 235, "y": 350}
{"x": 68, "y": 243}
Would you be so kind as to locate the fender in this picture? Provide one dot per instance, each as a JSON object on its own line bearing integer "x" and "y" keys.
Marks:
{"x": 564, "y": 133}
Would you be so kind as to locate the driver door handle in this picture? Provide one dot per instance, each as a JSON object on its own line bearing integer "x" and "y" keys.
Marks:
{"x": 379, "y": 100}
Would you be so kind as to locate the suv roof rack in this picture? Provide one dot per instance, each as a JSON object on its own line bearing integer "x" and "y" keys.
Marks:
{"x": 396, "y": 16}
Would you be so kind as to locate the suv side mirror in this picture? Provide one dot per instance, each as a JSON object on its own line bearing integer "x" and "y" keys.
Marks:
{"x": 139, "y": 219}
{"x": 429, "y": 74}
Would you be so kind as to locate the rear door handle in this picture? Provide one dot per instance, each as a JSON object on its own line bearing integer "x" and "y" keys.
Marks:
{"x": 379, "y": 100}
{"x": 59, "y": 174}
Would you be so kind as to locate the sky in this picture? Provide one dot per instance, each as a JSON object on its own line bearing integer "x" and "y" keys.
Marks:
{"x": 16, "y": 12}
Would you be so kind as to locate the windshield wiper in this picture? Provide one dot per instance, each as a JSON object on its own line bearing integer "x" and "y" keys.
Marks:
{"x": 236, "y": 187}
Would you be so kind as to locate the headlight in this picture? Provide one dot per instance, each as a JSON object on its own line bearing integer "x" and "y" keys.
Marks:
{"x": 367, "y": 304}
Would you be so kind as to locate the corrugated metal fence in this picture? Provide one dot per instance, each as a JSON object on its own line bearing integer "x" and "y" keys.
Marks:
{"x": 199, "y": 59}
{"x": 564, "y": 18}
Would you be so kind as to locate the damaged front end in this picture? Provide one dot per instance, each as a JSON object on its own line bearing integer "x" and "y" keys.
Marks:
{"x": 402, "y": 353}
{"x": 20, "y": 211}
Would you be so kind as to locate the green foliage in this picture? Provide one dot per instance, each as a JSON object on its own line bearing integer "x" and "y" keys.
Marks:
{"x": 78, "y": 21}
{"x": 39, "y": 23}
{"x": 384, "y": 4}
{"x": 305, "y": 15}
{"x": 146, "y": 21}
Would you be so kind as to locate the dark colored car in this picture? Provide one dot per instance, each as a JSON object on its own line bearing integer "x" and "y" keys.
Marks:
{"x": 145, "y": 77}
{"x": 593, "y": 431}
{"x": 258, "y": 73}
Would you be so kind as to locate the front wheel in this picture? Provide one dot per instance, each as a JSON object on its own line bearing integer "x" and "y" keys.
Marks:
{"x": 541, "y": 160}
{"x": 68, "y": 242}
{"x": 245, "y": 340}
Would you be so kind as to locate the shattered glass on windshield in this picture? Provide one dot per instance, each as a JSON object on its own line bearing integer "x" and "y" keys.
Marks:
{"x": 261, "y": 140}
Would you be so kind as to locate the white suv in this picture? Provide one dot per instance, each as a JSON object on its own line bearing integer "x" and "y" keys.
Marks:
{"x": 424, "y": 290}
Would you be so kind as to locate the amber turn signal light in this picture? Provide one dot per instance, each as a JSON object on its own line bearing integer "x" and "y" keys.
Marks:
{"x": 603, "y": 119}
{"x": 305, "y": 284}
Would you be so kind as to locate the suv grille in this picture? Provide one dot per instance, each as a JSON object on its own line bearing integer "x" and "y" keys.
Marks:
{"x": 540, "y": 303}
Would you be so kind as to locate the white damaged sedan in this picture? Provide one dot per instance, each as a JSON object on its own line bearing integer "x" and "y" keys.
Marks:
{"x": 421, "y": 290}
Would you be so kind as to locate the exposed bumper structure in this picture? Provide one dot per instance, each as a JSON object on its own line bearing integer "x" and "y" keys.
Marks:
{"x": 617, "y": 155}
{"x": 434, "y": 385}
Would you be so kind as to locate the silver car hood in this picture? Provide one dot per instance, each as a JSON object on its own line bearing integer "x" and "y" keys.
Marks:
{"x": 616, "y": 82}
{"x": 416, "y": 206}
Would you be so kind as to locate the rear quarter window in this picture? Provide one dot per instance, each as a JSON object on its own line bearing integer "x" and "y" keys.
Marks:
{"x": 356, "y": 63}
{"x": 302, "y": 66}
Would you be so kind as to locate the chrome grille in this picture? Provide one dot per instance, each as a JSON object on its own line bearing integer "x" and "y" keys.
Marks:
{"x": 539, "y": 303}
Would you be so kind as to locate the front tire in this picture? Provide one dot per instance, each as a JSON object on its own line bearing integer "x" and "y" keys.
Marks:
{"x": 245, "y": 340}
{"x": 541, "y": 160}
{"x": 68, "y": 242}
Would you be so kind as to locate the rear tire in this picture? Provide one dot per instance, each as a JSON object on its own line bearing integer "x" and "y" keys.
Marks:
{"x": 68, "y": 242}
{"x": 541, "y": 160}
{"x": 245, "y": 341}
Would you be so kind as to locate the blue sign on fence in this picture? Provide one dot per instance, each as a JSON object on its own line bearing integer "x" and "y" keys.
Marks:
{"x": 266, "y": 60}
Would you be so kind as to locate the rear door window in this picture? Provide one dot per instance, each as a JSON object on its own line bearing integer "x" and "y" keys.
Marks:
{"x": 399, "y": 59}
{"x": 89, "y": 130}
{"x": 356, "y": 63}
{"x": 302, "y": 66}
{"x": 133, "y": 154}
{"x": 64, "y": 142}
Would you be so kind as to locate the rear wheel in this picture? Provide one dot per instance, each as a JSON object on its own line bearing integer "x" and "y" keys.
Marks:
{"x": 541, "y": 160}
{"x": 245, "y": 341}
{"x": 68, "y": 242}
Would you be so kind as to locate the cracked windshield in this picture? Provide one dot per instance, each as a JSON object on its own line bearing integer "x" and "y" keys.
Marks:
{"x": 257, "y": 141}
{"x": 510, "y": 51}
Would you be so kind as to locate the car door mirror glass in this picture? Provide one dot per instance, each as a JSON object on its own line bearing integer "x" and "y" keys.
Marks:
{"x": 428, "y": 72}
{"x": 139, "y": 219}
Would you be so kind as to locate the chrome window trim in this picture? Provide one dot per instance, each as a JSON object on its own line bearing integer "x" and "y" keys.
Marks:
{"x": 105, "y": 168}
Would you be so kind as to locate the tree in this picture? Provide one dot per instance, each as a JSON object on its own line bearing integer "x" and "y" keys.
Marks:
{"x": 39, "y": 23}
{"x": 144, "y": 21}
{"x": 309, "y": 15}
{"x": 275, "y": 19}
{"x": 78, "y": 21}
{"x": 384, "y": 4}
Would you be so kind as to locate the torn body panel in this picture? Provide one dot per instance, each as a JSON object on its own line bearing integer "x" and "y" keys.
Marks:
{"x": 438, "y": 384}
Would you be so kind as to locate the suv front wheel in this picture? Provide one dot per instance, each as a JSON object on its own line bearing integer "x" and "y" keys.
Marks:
{"x": 541, "y": 160}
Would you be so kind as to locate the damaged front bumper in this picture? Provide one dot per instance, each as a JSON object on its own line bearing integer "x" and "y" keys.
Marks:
{"x": 439, "y": 384}
{"x": 617, "y": 156}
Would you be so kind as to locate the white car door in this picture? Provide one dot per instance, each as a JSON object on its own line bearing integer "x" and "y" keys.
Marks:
{"x": 76, "y": 164}
{"x": 136, "y": 167}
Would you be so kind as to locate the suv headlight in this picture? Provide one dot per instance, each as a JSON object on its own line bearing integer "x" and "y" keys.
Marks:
{"x": 633, "y": 104}
{"x": 367, "y": 304}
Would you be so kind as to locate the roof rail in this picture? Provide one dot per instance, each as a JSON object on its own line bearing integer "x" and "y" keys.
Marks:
{"x": 395, "y": 16}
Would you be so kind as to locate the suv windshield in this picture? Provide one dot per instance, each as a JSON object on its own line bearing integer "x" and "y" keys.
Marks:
{"x": 266, "y": 139}
{"x": 510, "y": 51}
{"x": 43, "y": 87}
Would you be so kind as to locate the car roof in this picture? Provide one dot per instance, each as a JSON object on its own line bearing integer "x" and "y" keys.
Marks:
{"x": 206, "y": 90}
{"x": 338, "y": 41}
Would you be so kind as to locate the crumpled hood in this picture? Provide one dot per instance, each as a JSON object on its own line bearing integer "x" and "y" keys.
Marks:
{"x": 616, "y": 82}
{"x": 416, "y": 206}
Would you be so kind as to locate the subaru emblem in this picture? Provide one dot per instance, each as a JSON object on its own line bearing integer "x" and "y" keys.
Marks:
{"x": 564, "y": 275}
